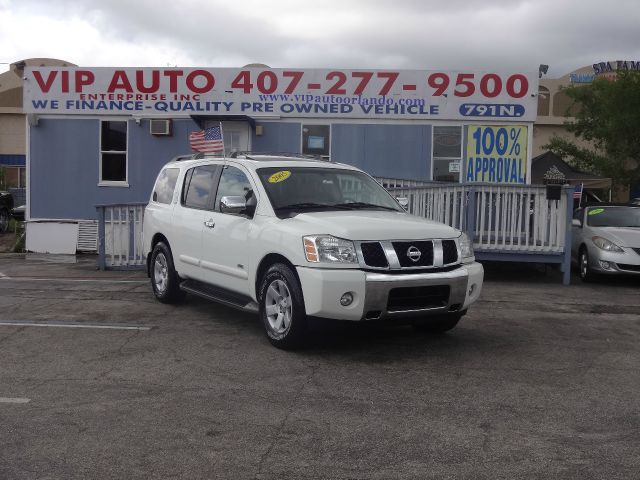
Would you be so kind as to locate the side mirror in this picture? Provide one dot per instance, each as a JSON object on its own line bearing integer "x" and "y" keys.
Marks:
{"x": 576, "y": 223}
{"x": 233, "y": 204}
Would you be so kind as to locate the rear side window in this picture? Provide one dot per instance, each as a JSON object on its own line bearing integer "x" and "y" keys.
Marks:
{"x": 198, "y": 186}
{"x": 165, "y": 185}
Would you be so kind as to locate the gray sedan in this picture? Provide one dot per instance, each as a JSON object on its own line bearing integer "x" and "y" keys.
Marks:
{"x": 606, "y": 240}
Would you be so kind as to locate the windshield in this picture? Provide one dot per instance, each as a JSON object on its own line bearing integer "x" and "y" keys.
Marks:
{"x": 295, "y": 189}
{"x": 613, "y": 217}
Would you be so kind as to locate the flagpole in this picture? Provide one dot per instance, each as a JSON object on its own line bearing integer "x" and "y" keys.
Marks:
{"x": 224, "y": 152}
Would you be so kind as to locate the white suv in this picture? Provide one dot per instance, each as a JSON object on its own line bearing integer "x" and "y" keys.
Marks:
{"x": 292, "y": 237}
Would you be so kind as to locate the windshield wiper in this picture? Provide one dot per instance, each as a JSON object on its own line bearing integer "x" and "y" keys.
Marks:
{"x": 305, "y": 205}
{"x": 363, "y": 205}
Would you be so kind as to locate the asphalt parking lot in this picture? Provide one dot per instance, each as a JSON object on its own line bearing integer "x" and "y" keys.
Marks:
{"x": 538, "y": 381}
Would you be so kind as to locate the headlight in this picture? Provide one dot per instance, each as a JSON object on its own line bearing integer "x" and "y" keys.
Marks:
{"x": 325, "y": 248}
{"x": 606, "y": 245}
{"x": 466, "y": 247}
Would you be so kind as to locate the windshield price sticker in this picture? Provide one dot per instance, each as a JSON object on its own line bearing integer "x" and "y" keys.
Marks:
{"x": 279, "y": 176}
{"x": 497, "y": 154}
{"x": 596, "y": 211}
{"x": 288, "y": 92}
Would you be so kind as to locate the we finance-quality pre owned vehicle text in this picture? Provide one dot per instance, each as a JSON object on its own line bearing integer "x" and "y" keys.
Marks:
{"x": 293, "y": 237}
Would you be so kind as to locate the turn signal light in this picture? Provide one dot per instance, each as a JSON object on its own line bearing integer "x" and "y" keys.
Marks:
{"x": 310, "y": 250}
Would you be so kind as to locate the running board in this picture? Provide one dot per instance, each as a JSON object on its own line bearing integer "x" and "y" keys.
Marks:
{"x": 220, "y": 295}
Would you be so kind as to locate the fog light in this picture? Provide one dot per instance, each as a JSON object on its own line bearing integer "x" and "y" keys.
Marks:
{"x": 346, "y": 299}
{"x": 472, "y": 289}
{"x": 605, "y": 265}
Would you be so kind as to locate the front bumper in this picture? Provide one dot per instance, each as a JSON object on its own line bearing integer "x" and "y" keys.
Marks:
{"x": 372, "y": 292}
{"x": 627, "y": 262}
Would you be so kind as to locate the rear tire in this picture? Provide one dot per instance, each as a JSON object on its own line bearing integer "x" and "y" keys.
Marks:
{"x": 439, "y": 324}
{"x": 282, "y": 308}
{"x": 164, "y": 278}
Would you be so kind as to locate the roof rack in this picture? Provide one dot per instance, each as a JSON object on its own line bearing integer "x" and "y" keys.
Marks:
{"x": 194, "y": 156}
{"x": 253, "y": 155}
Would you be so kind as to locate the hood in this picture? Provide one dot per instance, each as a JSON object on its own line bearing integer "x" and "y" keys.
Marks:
{"x": 621, "y": 236}
{"x": 370, "y": 225}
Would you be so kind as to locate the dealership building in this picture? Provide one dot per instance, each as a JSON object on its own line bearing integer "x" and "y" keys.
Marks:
{"x": 100, "y": 135}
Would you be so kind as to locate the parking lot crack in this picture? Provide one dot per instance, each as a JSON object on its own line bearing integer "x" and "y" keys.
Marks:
{"x": 285, "y": 419}
{"x": 117, "y": 352}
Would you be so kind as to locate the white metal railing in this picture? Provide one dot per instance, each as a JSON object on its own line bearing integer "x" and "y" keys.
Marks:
{"x": 120, "y": 235}
{"x": 498, "y": 217}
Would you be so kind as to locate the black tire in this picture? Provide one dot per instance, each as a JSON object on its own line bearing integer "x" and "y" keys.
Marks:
{"x": 4, "y": 220}
{"x": 165, "y": 281}
{"x": 438, "y": 324}
{"x": 284, "y": 303}
{"x": 584, "y": 269}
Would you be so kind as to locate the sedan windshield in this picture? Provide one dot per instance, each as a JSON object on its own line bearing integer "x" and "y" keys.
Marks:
{"x": 296, "y": 189}
{"x": 613, "y": 217}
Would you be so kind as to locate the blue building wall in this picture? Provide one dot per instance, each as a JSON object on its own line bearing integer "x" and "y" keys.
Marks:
{"x": 64, "y": 158}
{"x": 278, "y": 137}
{"x": 395, "y": 151}
{"x": 64, "y": 162}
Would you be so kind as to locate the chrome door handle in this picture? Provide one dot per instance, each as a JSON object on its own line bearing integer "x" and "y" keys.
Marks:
{"x": 209, "y": 223}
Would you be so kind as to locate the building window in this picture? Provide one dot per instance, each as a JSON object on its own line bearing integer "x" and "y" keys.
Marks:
{"x": 316, "y": 140}
{"x": 447, "y": 153}
{"x": 113, "y": 152}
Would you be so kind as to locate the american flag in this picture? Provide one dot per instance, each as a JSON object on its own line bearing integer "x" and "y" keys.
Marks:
{"x": 207, "y": 141}
{"x": 577, "y": 193}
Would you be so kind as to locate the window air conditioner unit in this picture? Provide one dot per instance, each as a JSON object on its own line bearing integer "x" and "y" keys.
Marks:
{"x": 160, "y": 127}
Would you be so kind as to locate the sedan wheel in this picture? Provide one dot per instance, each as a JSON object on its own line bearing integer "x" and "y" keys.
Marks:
{"x": 586, "y": 275}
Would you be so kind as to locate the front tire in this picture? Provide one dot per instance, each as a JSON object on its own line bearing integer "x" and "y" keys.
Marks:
{"x": 282, "y": 307}
{"x": 164, "y": 278}
{"x": 586, "y": 274}
{"x": 439, "y": 324}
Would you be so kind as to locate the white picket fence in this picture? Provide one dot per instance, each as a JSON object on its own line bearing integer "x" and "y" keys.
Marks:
{"x": 120, "y": 235}
{"x": 515, "y": 218}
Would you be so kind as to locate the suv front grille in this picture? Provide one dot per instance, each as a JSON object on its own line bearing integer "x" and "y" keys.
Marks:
{"x": 449, "y": 252}
{"x": 426, "y": 253}
{"x": 373, "y": 254}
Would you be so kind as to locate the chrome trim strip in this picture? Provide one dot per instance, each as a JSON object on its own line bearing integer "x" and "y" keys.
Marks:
{"x": 392, "y": 257}
{"x": 438, "y": 254}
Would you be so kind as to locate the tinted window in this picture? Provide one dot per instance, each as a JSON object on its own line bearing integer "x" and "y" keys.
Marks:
{"x": 233, "y": 182}
{"x": 199, "y": 187}
{"x": 165, "y": 185}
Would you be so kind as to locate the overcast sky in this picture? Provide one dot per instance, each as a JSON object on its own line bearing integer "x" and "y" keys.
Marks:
{"x": 411, "y": 34}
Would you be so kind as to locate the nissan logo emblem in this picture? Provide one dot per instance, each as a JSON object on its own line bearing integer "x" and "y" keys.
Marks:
{"x": 413, "y": 253}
